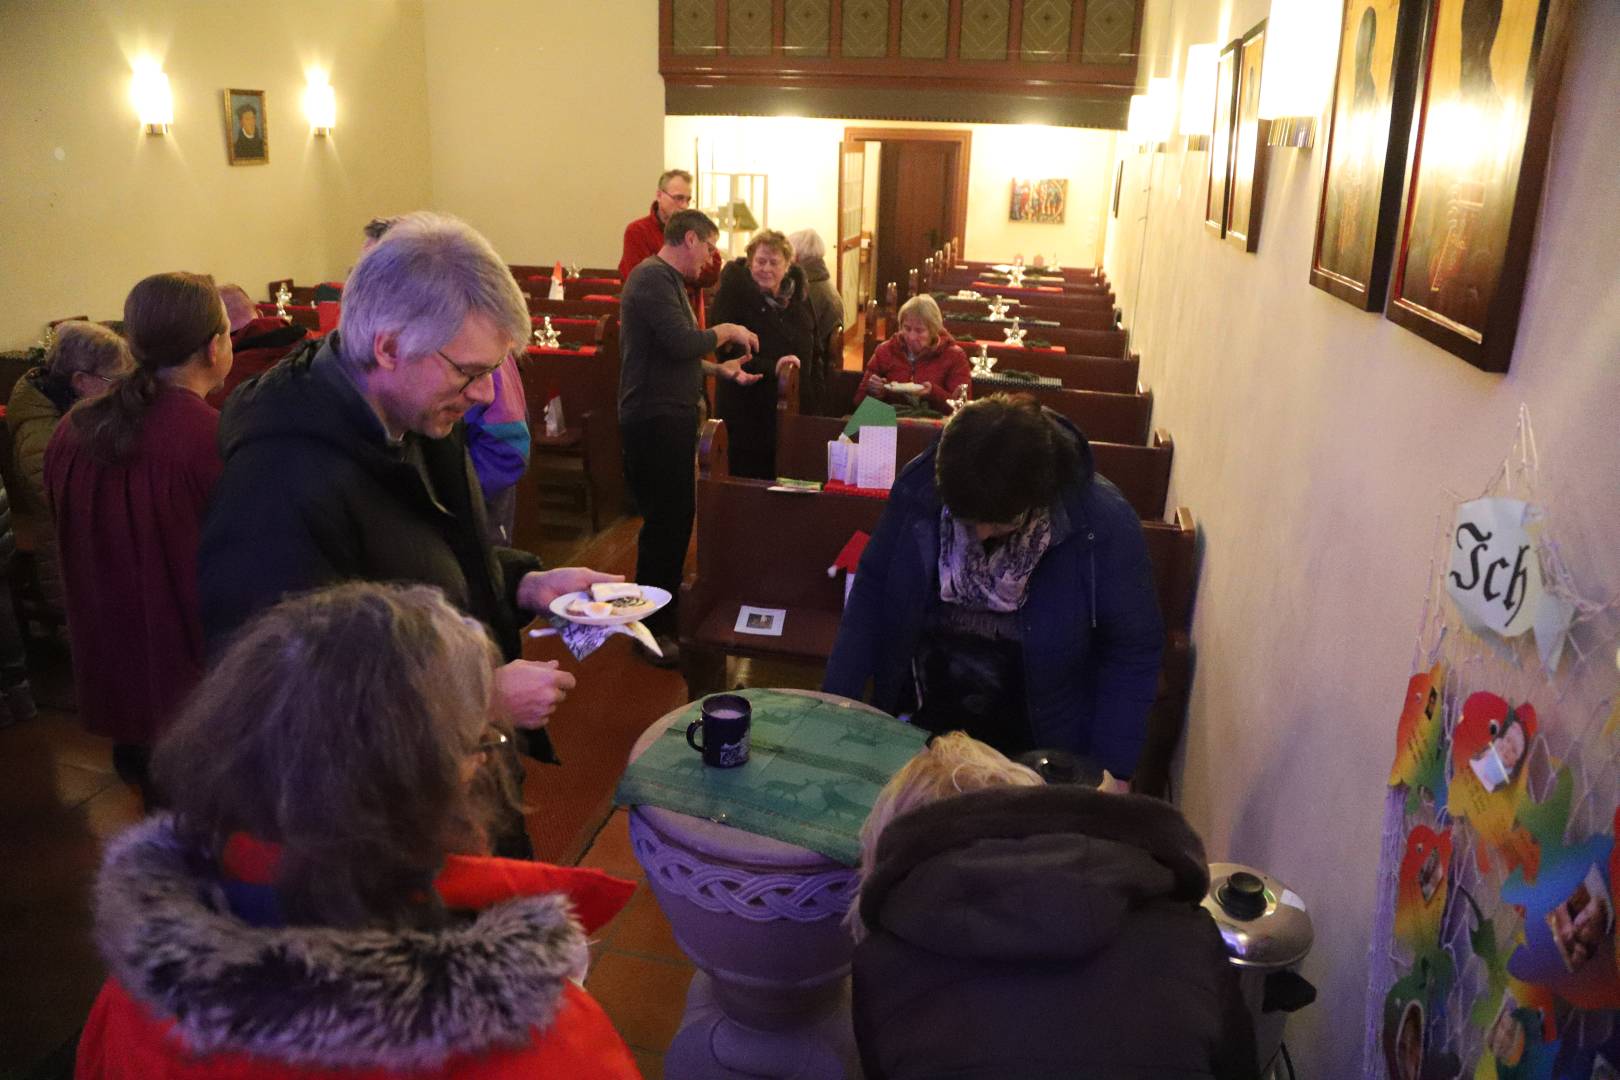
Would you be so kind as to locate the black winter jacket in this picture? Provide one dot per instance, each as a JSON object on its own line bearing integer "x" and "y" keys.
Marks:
{"x": 312, "y": 494}
{"x": 1044, "y": 933}
{"x": 750, "y": 411}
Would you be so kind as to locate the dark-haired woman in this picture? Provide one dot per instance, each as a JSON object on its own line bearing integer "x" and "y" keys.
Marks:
{"x": 1007, "y": 593}
{"x": 128, "y": 477}
{"x": 765, "y": 292}
{"x": 322, "y": 904}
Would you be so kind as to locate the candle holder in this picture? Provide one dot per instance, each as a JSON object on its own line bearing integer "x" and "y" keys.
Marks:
{"x": 998, "y": 309}
{"x": 546, "y": 336}
{"x": 283, "y": 298}
{"x": 1015, "y": 333}
{"x": 984, "y": 363}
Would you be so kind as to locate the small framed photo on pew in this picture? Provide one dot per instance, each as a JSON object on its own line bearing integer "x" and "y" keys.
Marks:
{"x": 1483, "y": 119}
{"x": 1367, "y": 129}
{"x": 766, "y": 622}
{"x": 247, "y": 137}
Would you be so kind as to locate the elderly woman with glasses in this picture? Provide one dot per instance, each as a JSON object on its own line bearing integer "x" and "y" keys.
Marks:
{"x": 765, "y": 292}
{"x": 1007, "y": 592}
{"x": 321, "y": 903}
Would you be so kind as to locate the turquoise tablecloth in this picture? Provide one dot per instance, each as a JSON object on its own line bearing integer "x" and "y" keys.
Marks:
{"x": 813, "y": 771}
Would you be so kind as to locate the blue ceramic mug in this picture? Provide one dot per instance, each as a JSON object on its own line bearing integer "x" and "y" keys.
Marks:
{"x": 724, "y": 720}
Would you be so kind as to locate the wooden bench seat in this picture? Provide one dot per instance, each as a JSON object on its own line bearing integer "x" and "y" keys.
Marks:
{"x": 581, "y": 470}
{"x": 1105, "y": 342}
{"x": 539, "y": 305}
{"x": 972, "y": 313}
{"x": 1142, "y": 473}
{"x": 1112, "y": 374}
{"x": 1118, "y": 418}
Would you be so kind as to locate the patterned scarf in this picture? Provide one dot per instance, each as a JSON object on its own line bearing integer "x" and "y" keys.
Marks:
{"x": 994, "y": 580}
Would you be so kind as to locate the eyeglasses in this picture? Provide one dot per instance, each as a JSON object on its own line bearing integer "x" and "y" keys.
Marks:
{"x": 472, "y": 375}
{"x": 492, "y": 741}
{"x": 683, "y": 199}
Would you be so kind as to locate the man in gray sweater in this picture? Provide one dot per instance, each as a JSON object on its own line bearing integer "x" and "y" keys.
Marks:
{"x": 662, "y": 354}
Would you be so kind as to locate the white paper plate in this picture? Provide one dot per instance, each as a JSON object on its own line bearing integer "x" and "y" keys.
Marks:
{"x": 655, "y": 598}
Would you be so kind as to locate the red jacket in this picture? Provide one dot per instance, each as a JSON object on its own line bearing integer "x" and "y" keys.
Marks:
{"x": 945, "y": 366}
{"x": 197, "y": 992}
{"x": 128, "y": 535}
{"x": 645, "y": 236}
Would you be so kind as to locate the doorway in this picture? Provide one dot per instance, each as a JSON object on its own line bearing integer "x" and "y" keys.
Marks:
{"x": 922, "y": 188}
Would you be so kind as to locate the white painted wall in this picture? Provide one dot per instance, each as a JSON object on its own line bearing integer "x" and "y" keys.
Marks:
{"x": 547, "y": 122}
{"x": 89, "y": 204}
{"x": 801, "y": 157}
{"x": 1316, "y": 446}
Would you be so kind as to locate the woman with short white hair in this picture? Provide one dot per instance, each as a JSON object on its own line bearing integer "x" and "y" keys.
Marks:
{"x": 810, "y": 253}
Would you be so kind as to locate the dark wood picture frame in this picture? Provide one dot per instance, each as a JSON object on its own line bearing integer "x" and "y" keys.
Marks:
{"x": 1251, "y": 157}
{"x": 1473, "y": 311}
{"x": 1375, "y": 185}
{"x": 240, "y": 148}
{"x": 1119, "y": 182}
{"x": 1218, "y": 162}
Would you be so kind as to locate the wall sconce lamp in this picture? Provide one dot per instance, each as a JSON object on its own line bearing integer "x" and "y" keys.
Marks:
{"x": 320, "y": 106}
{"x": 1302, "y": 38}
{"x": 154, "y": 103}
{"x": 1149, "y": 120}
{"x": 1198, "y": 95}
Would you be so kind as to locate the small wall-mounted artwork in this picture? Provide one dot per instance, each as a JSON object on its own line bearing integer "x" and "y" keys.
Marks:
{"x": 1366, "y": 142}
{"x": 1119, "y": 182}
{"x": 1219, "y": 160}
{"x": 1484, "y": 119}
{"x": 247, "y": 138}
{"x": 1040, "y": 201}
{"x": 1250, "y": 156}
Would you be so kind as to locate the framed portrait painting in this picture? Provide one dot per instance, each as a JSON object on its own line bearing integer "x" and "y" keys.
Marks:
{"x": 1219, "y": 159}
{"x": 1368, "y": 125}
{"x": 1249, "y": 154}
{"x": 247, "y": 138}
{"x": 1483, "y": 117}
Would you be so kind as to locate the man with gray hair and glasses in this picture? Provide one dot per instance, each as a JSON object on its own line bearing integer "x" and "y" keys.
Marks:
{"x": 348, "y": 460}
{"x": 645, "y": 235}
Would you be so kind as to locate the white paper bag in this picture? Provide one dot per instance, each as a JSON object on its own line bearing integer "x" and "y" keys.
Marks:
{"x": 875, "y": 465}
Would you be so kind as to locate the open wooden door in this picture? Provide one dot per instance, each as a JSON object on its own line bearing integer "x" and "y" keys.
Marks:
{"x": 851, "y": 177}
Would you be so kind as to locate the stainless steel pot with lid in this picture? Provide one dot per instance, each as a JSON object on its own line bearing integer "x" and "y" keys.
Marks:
{"x": 1268, "y": 934}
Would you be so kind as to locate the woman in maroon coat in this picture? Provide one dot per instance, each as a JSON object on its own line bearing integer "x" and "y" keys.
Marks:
{"x": 128, "y": 477}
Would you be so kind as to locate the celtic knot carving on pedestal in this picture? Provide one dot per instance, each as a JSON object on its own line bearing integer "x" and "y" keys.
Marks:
{"x": 735, "y": 891}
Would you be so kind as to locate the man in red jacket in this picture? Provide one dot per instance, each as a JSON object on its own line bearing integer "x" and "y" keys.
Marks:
{"x": 645, "y": 235}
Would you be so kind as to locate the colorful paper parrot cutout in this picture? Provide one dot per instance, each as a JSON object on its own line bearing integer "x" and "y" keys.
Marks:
{"x": 1422, "y": 885}
{"x": 1493, "y": 736}
{"x": 1569, "y": 925}
{"x": 1420, "y": 746}
{"x": 1412, "y": 1014}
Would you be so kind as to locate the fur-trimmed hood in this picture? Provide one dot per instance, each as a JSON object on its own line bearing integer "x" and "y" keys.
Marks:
{"x": 321, "y": 998}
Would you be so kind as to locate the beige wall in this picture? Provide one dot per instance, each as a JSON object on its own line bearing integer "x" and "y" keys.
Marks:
{"x": 547, "y": 120}
{"x": 1317, "y": 446}
{"x": 801, "y": 157}
{"x": 89, "y": 204}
